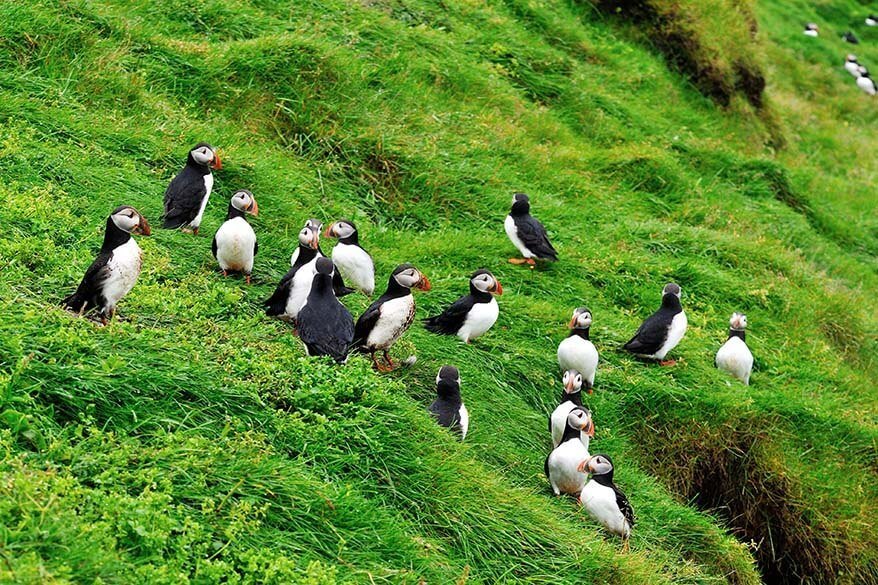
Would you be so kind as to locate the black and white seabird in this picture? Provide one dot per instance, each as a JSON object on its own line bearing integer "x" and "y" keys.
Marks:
{"x": 527, "y": 233}
{"x": 866, "y": 83}
{"x": 115, "y": 270}
{"x": 354, "y": 263}
{"x": 871, "y": 20}
{"x": 471, "y": 315}
{"x": 812, "y": 30}
{"x": 851, "y": 38}
{"x": 186, "y": 196}
{"x": 448, "y": 408}
{"x": 325, "y": 326}
{"x": 662, "y": 331}
{"x": 387, "y": 318}
{"x": 571, "y": 398}
{"x": 577, "y": 352}
{"x": 338, "y": 281}
{"x": 562, "y": 464}
{"x": 603, "y": 500}
{"x": 734, "y": 356}
{"x": 852, "y": 65}
{"x": 234, "y": 244}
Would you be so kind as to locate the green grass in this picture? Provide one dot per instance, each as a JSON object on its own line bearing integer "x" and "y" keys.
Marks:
{"x": 191, "y": 440}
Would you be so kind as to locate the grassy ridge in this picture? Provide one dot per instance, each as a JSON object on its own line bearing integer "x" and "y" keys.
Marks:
{"x": 193, "y": 440}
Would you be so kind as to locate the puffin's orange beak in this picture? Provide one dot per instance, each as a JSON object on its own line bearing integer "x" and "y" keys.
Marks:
{"x": 315, "y": 239}
{"x": 254, "y": 208}
{"x": 589, "y": 430}
{"x": 142, "y": 228}
{"x": 573, "y": 322}
{"x": 498, "y": 288}
{"x": 424, "y": 283}
{"x": 583, "y": 467}
{"x": 568, "y": 387}
{"x": 328, "y": 233}
{"x": 216, "y": 163}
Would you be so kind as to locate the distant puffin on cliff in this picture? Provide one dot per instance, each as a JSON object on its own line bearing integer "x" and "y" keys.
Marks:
{"x": 812, "y": 30}
{"x": 734, "y": 356}
{"x": 527, "y": 233}
{"x": 662, "y": 331}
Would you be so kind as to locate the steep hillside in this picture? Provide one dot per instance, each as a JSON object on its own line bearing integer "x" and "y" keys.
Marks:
{"x": 192, "y": 441}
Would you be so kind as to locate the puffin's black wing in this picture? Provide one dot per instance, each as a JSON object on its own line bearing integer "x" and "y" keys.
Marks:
{"x": 532, "y": 233}
{"x": 338, "y": 285}
{"x": 452, "y": 318}
{"x": 624, "y": 506}
{"x": 366, "y": 322}
{"x": 276, "y": 304}
{"x": 89, "y": 288}
{"x": 445, "y": 413}
{"x": 183, "y": 198}
{"x": 651, "y": 334}
{"x": 546, "y": 465}
{"x": 326, "y": 330}
{"x": 213, "y": 246}
{"x": 255, "y": 248}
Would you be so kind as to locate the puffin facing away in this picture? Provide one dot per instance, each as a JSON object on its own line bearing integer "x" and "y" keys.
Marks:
{"x": 234, "y": 244}
{"x": 577, "y": 352}
{"x": 325, "y": 325}
{"x": 851, "y": 38}
{"x": 603, "y": 500}
{"x": 562, "y": 464}
{"x": 471, "y": 315}
{"x": 662, "y": 331}
{"x": 866, "y": 83}
{"x": 571, "y": 398}
{"x": 527, "y": 233}
{"x": 448, "y": 408}
{"x": 734, "y": 356}
{"x": 354, "y": 263}
{"x": 812, "y": 30}
{"x": 387, "y": 319}
{"x": 187, "y": 195}
{"x": 116, "y": 268}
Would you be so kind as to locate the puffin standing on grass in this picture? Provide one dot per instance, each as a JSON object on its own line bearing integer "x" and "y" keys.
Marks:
{"x": 734, "y": 356}
{"x": 571, "y": 398}
{"x": 187, "y": 194}
{"x": 662, "y": 331}
{"x": 527, "y": 233}
{"x": 866, "y": 83}
{"x": 871, "y": 20}
{"x": 387, "y": 318}
{"x": 337, "y": 280}
{"x": 471, "y": 315}
{"x": 852, "y": 65}
{"x": 115, "y": 270}
{"x": 812, "y": 30}
{"x": 448, "y": 408}
{"x": 352, "y": 261}
{"x": 293, "y": 289}
{"x": 577, "y": 352}
{"x": 234, "y": 244}
{"x": 325, "y": 326}
{"x": 562, "y": 464}
{"x": 603, "y": 500}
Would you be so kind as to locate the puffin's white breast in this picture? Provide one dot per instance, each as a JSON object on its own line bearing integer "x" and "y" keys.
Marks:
{"x": 578, "y": 354}
{"x": 208, "y": 187}
{"x": 600, "y": 502}
{"x": 123, "y": 270}
{"x": 235, "y": 240}
{"x": 300, "y": 287}
{"x": 852, "y": 68}
{"x": 676, "y": 331}
{"x": 394, "y": 317}
{"x": 480, "y": 318}
{"x": 512, "y": 232}
{"x": 811, "y": 33}
{"x": 866, "y": 84}
{"x": 464, "y": 420}
{"x": 356, "y": 266}
{"x": 735, "y": 357}
{"x": 563, "y": 461}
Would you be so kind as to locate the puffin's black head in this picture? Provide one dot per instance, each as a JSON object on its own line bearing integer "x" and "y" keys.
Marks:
{"x": 572, "y": 382}
{"x": 448, "y": 381}
{"x": 483, "y": 281}
{"x": 324, "y": 266}
{"x": 672, "y": 289}
{"x": 597, "y": 465}
{"x": 407, "y": 276}
{"x": 581, "y": 318}
{"x": 580, "y": 419}
{"x": 129, "y": 220}
{"x": 309, "y": 236}
{"x": 520, "y": 203}
{"x": 243, "y": 200}
{"x": 203, "y": 154}
{"x": 340, "y": 229}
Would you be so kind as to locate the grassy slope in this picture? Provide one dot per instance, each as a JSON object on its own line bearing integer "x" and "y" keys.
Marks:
{"x": 193, "y": 440}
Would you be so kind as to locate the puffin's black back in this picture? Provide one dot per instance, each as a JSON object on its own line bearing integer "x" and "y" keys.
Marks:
{"x": 452, "y": 318}
{"x": 369, "y": 318}
{"x": 654, "y": 331}
{"x": 184, "y": 193}
{"x": 325, "y": 326}
{"x": 446, "y": 407}
{"x": 90, "y": 289}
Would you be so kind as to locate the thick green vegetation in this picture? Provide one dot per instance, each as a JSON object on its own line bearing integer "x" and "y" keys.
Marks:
{"x": 191, "y": 440}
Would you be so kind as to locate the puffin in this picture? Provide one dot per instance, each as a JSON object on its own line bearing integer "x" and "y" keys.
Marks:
{"x": 662, "y": 331}
{"x": 852, "y": 65}
{"x": 234, "y": 244}
{"x": 734, "y": 356}
{"x": 866, "y": 83}
{"x": 187, "y": 194}
{"x": 527, "y": 233}
{"x": 562, "y": 464}
{"x": 353, "y": 262}
{"x": 603, "y": 500}
{"x": 387, "y": 318}
{"x": 448, "y": 408}
{"x": 571, "y": 398}
{"x": 871, "y": 20}
{"x": 577, "y": 352}
{"x": 115, "y": 270}
{"x": 471, "y": 315}
{"x": 325, "y": 326}
{"x": 338, "y": 281}
{"x": 851, "y": 38}
{"x": 812, "y": 30}
{"x": 294, "y": 287}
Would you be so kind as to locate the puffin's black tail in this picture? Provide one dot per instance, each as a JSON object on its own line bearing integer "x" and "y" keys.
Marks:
{"x": 75, "y": 302}
{"x": 436, "y": 325}
{"x": 172, "y": 223}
